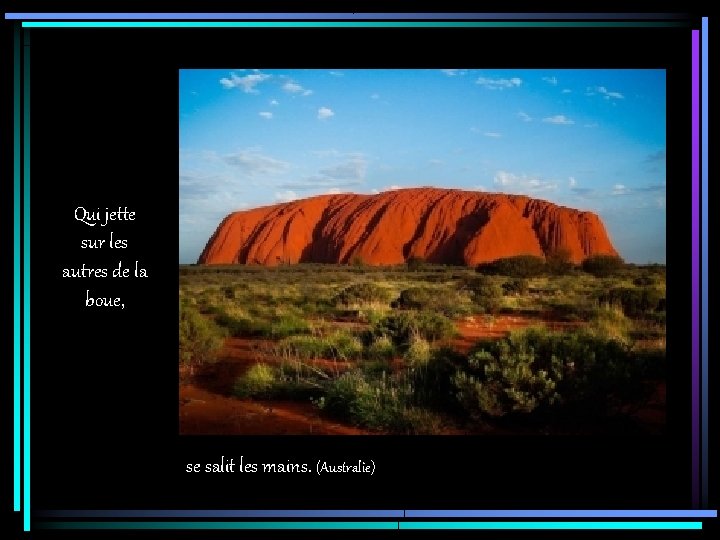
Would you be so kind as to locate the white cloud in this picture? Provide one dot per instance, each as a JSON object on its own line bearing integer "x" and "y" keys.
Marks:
{"x": 550, "y": 80}
{"x": 620, "y": 189}
{"x": 572, "y": 182}
{"x": 566, "y": 91}
{"x": 559, "y": 119}
{"x": 492, "y": 134}
{"x": 392, "y": 188}
{"x": 593, "y": 125}
{"x": 522, "y": 183}
{"x": 274, "y": 102}
{"x": 286, "y": 196}
{"x": 292, "y": 87}
{"x": 352, "y": 169}
{"x": 499, "y": 84}
{"x": 247, "y": 83}
{"x": 334, "y": 191}
{"x": 453, "y": 72}
{"x": 331, "y": 152}
{"x": 324, "y": 113}
{"x": 435, "y": 162}
{"x": 375, "y": 96}
{"x": 336, "y": 73}
{"x": 608, "y": 94}
{"x": 524, "y": 116}
{"x": 266, "y": 115}
{"x": 603, "y": 91}
{"x": 350, "y": 172}
{"x": 253, "y": 163}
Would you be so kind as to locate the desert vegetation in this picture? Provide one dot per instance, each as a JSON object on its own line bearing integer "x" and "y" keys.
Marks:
{"x": 523, "y": 344}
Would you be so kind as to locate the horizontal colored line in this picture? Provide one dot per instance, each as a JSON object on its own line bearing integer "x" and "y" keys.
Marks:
{"x": 341, "y": 16}
{"x": 367, "y": 525}
{"x": 355, "y": 513}
{"x": 350, "y": 24}
{"x": 221, "y": 513}
{"x": 551, "y": 525}
{"x": 214, "y": 525}
{"x": 561, "y": 513}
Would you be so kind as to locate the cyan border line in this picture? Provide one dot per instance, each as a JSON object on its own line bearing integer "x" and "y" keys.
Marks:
{"x": 319, "y": 513}
{"x": 341, "y": 16}
{"x": 704, "y": 213}
{"x": 550, "y": 525}
{"x": 26, "y": 282}
{"x": 366, "y": 525}
{"x": 16, "y": 270}
{"x": 351, "y": 24}
{"x": 695, "y": 188}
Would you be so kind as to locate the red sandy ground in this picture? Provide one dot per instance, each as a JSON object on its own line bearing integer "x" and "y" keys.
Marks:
{"x": 208, "y": 408}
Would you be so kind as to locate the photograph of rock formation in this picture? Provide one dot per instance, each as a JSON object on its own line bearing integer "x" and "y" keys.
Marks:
{"x": 433, "y": 251}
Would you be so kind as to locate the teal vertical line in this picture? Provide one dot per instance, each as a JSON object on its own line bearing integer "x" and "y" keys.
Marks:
{"x": 16, "y": 269}
{"x": 704, "y": 259}
{"x": 26, "y": 283}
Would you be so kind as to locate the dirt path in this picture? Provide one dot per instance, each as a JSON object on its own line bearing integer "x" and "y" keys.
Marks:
{"x": 477, "y": 327}
{"x": 206, "y": 413}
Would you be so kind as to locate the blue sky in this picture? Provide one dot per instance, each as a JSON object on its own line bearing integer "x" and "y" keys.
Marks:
{"x": 589, "y": 139}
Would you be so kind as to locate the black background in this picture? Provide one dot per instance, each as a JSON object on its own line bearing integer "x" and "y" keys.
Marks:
{"x": 104, "y": 107}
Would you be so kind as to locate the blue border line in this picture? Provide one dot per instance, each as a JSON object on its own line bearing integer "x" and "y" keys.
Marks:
{"x": 221, "y": 513}
{"x": 695, "y": 275}
{"x": 16, "y": 271}
{"x": 550, "y": 525}
{"x": 353, "y": 24}
{"x": 704, "y": 258}
{"x": 377, "y": 513}
{"x": 365, "y": 525}
{"x": 26, "y": 284}
{"x": 561, "y": 513}
{"x": 340, "y": 16}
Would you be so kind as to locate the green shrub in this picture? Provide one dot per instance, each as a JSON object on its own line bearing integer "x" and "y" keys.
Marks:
{"x": 381, "y": 403}
{"x": 340, "y": 346}
{"x": 256, "y": 382}
{"x": 603, "y": 265}
{"x": 415, "y": 264}
{"x": 634, "y": 301}
{"x": 520, "y": 266}
{"x": 273, "y": 326}
{"x": 381, "y": 348}
{"x": 418, "y": 351}
{"x": 399, "y": 327}
{"x": 559, "y": 262}
{"x": 610, "y": 322}
{"x": 415, "y": 298}
{"x": 362, "y": 293}
{"x": 262, "y": 381}
{"x": 448, "y": 302}
{"x": 536, "y": 369}
{"x": 507, "y": 379}
{"x": 563, "y": 310}
{"x": 516, "y": 286}
{"x": 200, "y": 338}
{"x": 485, "y": 292}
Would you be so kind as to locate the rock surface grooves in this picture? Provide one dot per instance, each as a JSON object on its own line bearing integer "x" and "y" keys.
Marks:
{"x": 446, "y": 226}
